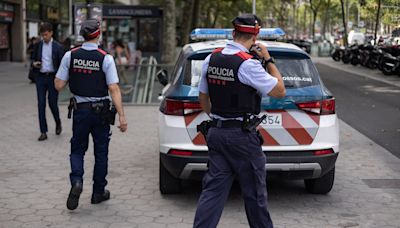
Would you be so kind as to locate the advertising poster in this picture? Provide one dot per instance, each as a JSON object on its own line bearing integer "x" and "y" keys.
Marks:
{"x": 4, "y": 38}
{"x": 148, "y": 35}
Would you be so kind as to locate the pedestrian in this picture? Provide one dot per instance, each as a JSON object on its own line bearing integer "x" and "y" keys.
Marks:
{"x": 46, "y": 59}
{"x": 231, "y": 87}
{"x": 91, "y": 74}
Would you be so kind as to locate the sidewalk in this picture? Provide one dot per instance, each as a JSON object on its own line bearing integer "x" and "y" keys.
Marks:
{"x": 34, "y": 177}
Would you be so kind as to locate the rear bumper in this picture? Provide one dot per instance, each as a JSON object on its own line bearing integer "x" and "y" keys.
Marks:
{"x": 287, "y": 165}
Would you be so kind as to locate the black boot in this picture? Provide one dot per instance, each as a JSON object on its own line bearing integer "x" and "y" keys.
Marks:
{"x": 98, "y": 198}
{"x": 73, "y": 198}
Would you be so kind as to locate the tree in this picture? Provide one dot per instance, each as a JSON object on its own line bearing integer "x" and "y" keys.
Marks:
{"x": 186, "y": 21}
{"x": 169, "y": 32}
{"x": 344, "y": 24}
{"x": 315, "y": 5}
{"x": 326, "y": 17}
{"x": 377, "y": 21}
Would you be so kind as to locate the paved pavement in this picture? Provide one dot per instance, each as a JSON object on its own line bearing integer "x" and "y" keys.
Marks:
{"x": 34, "y": 177}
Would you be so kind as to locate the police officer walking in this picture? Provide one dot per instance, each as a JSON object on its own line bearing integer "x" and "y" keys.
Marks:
{"x": 231, "y": 87}
{"x": 91, "y": 74}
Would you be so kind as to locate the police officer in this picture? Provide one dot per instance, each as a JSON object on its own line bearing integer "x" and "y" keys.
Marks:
{"x": 231, "y": 87}
{"x": 91, "y": 73}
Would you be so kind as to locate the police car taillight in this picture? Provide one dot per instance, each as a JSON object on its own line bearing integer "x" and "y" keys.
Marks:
{"x": 324, "y": 107}
{"x": 180, "y": 107}
{"x": 220, "y": 33}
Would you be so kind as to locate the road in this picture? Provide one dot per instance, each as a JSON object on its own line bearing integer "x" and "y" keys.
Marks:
{"x": 372, "y": 107}
{"x": 34, "y": 177}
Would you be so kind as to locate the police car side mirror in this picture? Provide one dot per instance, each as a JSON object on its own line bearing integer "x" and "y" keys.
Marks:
{"x": 162, "y": 76}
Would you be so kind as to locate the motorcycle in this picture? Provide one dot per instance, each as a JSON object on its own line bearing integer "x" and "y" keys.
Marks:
{"x": 391, "y": 62}
{"x": 338, "y": 53}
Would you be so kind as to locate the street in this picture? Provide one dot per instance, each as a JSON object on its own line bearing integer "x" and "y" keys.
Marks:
{"x": 34, "y": 181}
{"x": 370, "y": 106}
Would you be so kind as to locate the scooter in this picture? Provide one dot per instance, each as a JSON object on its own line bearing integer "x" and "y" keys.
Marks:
{"x": 338, "y": 53}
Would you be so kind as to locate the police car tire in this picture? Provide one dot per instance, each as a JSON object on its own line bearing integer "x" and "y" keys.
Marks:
{"x": 321, "y": 185}
{"x": 168, "y": 183}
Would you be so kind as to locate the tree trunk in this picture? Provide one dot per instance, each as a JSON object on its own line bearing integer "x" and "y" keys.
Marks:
{"x": 314, "y": 19}
{"x": 326, "y": 18}
{"x": 169, "y": 32}
{"x": 377, "y": 22}
{"x": 186, "y": 21}
{"x": 344, "y": 24}
{"x": 196, "y": 14}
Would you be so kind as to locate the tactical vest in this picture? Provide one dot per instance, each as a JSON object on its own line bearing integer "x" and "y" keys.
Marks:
{"x": 86, "y": 76}
{"x": 229, "y": 97}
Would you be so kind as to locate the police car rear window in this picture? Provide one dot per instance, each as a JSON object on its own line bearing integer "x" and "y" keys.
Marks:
{"x": 296, "y": 72}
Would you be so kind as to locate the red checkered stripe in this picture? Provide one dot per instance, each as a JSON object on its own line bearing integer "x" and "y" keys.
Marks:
{"x": 298, "y": 128}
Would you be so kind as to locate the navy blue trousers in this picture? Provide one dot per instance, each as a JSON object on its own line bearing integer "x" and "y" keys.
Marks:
{"x": 233, "y": 153}
{"x": 85, "y": 122}
{"x": 44, "y": 85}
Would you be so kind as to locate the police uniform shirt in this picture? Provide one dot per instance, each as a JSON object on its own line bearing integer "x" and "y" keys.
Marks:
{"x": 250, "y": 73}
{"x": 108, "y": 68}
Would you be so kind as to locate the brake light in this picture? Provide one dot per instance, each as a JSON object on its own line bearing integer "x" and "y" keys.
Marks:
{"x": 324, "y": 107}
{"x": 180, "y": 152}
{"x": 323, "y": 152}
{"x": 328, "y": 107}
{"x": 180, "y": 108}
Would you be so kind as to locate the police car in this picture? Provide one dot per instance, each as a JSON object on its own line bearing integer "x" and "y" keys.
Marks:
{"x": 301, "y": 131}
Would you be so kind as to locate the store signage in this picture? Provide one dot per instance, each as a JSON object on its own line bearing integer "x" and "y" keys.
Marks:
{"x": 6, "y": 13}
{"x": 6, "y": 7}
{"x": 131, "y": 11}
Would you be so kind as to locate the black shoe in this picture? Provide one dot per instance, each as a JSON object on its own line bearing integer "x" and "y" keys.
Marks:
{"x": 73, "y": 197}
{"x": 58, "y": 129}
{"x": 42, "y": 137}
{"x": 98, "y": 198}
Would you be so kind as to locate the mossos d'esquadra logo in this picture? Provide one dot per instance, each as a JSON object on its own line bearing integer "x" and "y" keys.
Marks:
{"x": 221, "y": 73}
{"x": 86, "y": 64}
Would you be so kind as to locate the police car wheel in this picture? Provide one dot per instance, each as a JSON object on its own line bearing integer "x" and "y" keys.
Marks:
{"x": 321, "y": 185}
{"x": 168, "y": 183}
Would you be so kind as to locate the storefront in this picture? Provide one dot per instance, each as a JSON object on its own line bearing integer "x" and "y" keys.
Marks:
{"x": 6, "y": 20}
{"x": 54, "y": 11}
{"x": 138, "y": 27}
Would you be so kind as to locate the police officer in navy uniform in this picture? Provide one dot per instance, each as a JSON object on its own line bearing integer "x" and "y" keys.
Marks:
{"x": 231, "y": 88}
{"x": 91, "y": 74}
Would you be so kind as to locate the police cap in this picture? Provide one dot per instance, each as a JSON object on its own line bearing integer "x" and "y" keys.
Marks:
{"x": 90, "y": 29}
{"x": 247, "y": 23}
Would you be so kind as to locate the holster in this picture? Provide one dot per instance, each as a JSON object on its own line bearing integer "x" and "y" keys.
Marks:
{"x": 203, "y": 127}
{"x": 73, "y": 105}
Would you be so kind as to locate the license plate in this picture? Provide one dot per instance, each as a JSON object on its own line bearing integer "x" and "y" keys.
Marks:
{"x": 273, "y": 119}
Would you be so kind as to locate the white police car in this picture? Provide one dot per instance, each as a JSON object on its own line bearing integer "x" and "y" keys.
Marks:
{"x": 301, "y": 132}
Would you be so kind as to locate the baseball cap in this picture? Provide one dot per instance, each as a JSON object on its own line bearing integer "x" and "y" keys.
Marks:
{"x": 90, "y": 29}
{"x": 247, "y": 23}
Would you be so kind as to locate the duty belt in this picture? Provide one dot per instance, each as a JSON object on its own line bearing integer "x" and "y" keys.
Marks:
{"x": 93, "y": 105}
{"x": 226, "y": 123}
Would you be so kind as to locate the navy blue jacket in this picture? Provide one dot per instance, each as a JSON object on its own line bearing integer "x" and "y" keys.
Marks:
{"x": 57, "y": 52}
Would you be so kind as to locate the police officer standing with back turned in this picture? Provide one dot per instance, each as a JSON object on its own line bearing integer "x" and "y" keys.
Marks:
{"x": 91, "y": 73}
{"x": 231, "y": 87}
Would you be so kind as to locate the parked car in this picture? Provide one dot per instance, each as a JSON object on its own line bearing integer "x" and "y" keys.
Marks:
{"x": 301, "y": 132}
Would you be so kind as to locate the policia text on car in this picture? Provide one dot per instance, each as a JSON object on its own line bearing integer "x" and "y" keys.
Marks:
{"x": 233, "y": 103}
{"x": 91, "y": 74}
